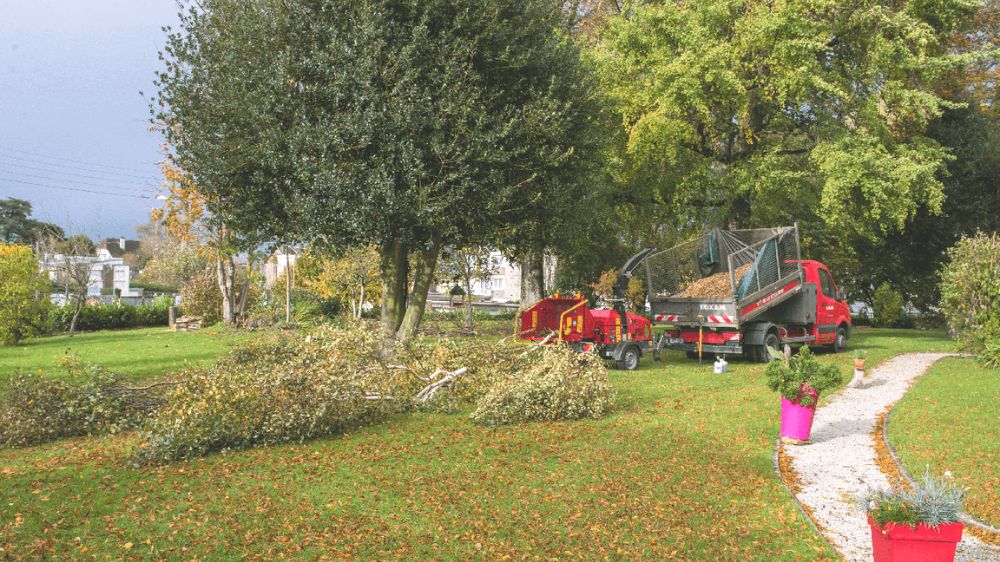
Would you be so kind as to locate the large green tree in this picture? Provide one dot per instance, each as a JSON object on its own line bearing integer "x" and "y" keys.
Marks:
{"x": 410, "y": 125}
{"x": 17, "y": 226}
{"x": 747, "y": 113}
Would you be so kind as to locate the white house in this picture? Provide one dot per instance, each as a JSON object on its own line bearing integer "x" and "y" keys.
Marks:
{"x": 504, "y": 282}
{"x": 108, "y": 271}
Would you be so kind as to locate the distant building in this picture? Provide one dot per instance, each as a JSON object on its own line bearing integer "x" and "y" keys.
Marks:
{"x": 109, "y": 274}
{"x": 112, "y": 248}
{"x": 504, "y": 282}
{"x": 276, "y": 263}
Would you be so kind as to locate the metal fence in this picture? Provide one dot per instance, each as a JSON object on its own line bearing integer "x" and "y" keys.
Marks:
{"x": 765, "y": 263}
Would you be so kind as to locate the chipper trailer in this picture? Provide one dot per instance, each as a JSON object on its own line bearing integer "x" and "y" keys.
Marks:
{"x": 738, "y": 292}
{"x": 615, "y": 335}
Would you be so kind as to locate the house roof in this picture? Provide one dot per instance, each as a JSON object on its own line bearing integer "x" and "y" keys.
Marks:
{"x": 114, "y": 246}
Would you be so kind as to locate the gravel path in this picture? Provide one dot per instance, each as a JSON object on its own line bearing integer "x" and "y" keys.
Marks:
{"x": 839, "y": 464}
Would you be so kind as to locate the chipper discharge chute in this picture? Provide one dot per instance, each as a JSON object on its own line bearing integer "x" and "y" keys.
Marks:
{"x": 573, "y": 322}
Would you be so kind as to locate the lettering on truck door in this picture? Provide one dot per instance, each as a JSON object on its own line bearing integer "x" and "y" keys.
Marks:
{"x": 826, "y": 303}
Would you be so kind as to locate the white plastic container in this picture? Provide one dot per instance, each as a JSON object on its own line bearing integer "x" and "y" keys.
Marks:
{"x": 720, "y": 366}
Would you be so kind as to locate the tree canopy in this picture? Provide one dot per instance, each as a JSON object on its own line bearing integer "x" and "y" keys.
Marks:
{"x": 405, "y": 124}
{"x": 17, "y": 226}
{"x": 746, "y": 113}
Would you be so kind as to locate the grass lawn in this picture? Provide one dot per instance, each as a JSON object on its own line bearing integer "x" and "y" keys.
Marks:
{"x": 949, "y": 421}
{"x": 682, "y": 469}
{"x": 140, "y": 353}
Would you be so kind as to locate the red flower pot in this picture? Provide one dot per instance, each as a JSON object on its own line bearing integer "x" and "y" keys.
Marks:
{"x": 902, "y": 543}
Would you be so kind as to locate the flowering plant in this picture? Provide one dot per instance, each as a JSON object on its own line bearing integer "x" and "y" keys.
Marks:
{"x": 933, "y": 502}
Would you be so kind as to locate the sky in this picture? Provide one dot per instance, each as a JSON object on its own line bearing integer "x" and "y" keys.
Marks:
{"x": 74, "y": 129}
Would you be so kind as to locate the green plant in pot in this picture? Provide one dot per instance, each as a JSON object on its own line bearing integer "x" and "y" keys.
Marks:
{"x": 916, "y": 523}
{"x": 800, "y": 379}
{"x": 859, "y": 359}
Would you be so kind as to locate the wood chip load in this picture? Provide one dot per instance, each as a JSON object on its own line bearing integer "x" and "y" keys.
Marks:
{"x": 714, "y": 286}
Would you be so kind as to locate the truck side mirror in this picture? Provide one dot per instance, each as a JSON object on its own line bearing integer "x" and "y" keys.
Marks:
{"x": 841, "y": 294}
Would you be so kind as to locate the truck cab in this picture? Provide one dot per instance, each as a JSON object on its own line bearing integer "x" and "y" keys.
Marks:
{"x": 833, "y": 315}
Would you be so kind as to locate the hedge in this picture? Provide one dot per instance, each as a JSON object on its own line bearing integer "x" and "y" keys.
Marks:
{"x": 113, "y": 316}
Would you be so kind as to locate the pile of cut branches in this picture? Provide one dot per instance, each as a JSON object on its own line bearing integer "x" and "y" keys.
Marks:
{"x": 290, "y": 388}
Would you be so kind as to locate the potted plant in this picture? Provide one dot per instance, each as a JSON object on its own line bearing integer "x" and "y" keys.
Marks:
{"x": 800, "y": 379}
{"x": 859, "y": 359}
{"x": 920, "y": 523}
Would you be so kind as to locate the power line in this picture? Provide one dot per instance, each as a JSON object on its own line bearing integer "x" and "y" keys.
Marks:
{"x": 92, "y": 169}
{"x": 84, "y": 162}
{"x": 70, "y": 174}
{"x": 25, "y": 182}
{"x": 78, "y": 182}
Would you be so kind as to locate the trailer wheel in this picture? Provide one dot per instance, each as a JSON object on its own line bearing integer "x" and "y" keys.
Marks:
{"x": 840, "y": 344}
{"x": 629, "y": 360}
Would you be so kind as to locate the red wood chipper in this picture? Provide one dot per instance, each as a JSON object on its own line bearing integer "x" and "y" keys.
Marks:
{"x": 572, "y": 321}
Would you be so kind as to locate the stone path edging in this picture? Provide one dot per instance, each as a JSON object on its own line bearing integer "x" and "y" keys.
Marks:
{"x": 840, "y": 463}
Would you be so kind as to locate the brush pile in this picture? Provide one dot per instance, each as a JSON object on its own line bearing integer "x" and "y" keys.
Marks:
{"x": 334, "y": 380}
{"x": 84, "y": 400}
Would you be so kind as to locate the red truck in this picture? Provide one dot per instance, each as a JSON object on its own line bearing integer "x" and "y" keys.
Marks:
{"x": 737, "y": 292}
{"x": 731, "y": 292}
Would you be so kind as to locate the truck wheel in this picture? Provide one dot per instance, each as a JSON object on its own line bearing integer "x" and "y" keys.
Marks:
{"x": 629, "y": 360}
{"x": 840, "y": 344}
{"x": 770, "y": 340}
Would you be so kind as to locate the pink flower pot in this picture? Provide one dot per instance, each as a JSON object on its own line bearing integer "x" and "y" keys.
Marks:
{"x": 899, "y": 543}
{"x": 797, "y": 421}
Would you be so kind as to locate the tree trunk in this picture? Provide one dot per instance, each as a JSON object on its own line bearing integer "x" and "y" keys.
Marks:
{"x": 80, "y": 299}
{"x": 468, "y": 301}
{"x": 224, "y": 275}
{"x": 242, "y": 308}
{"x": 394, "y": 267}
{"x": 423, "y": 277}
{"x": 361, "y": 303}
{"x": 532, "y": 277}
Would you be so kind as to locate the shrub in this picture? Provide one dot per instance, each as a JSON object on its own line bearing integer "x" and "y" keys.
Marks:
{"x": 153, "y": 287}
{"x": 970, "y": 293}
{"x": 307, "y": 306}
{"x": 200, "y": 296}
{"x": 989, "y": 357}
{"x": 114, "y": 316}
{"x": 789, "y": 375}
{"x": 887, "y": 307}
{"x": 35, "y": 408}
{"x": 24, "y": 297}
{"x": 934, "y": 502}
{"x": 559, "y": 384}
